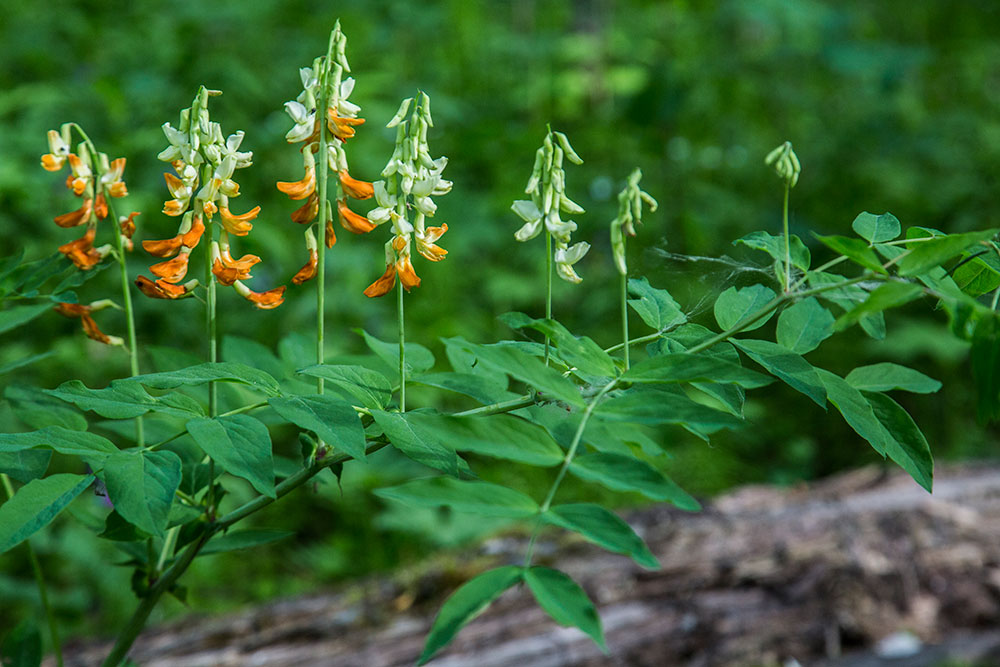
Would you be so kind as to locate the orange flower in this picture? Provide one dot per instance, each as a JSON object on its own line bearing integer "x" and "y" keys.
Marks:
{"x": 80, "y": 174}
{"x": 383, "y": 285}
{"x": 355, "y": 188}
{"x": 81, "y": 251}
{"x": 263, "y": 300}
{"x": 101, "y": 207}
{"x": 162, "y": 290}
{"x": 89, "y": 325}
{"x": 193, "y": 235}
{"x": 127, "y": 225}
{"x": 238, "y": 225}
{"x": 229, "y": 270}
{"x": 331, "y": 235}
{"x": 226, "y": 275}
{"x": 163, "y": 248}
{"x": 342, "y": 128}
{"x": 307, "y": 272}
{"x": 305, "y": 187}
{"x": 59, "y": 150}
{"x": 112, "y": 179}
{"x": 308, "y": 211}
{"x": 426, "y": 241}
{"x": 407, "y": 276}
{"x": 172, "y": 270}
{"x": 351, "y": 221}
{"x": 71, "y": 309}
{"x": 77, "y": 217}
{"x": 181, "y": 192}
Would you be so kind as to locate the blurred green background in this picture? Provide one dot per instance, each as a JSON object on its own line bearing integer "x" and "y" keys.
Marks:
{"x": 891, "y": 106}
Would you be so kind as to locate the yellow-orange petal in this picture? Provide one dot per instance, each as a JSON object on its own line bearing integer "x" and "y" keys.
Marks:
{"x": 331, "y": 235}
{"x": 383, "y": 285}
{"x": 163, "y": 248}
{"x": 127, "y": 225}
{"x": 77, "y": 217}
{"x": 175, "y": 207}
{"x": 300, "y": 189}
{"x": 355, "y": 188}
{"x": 93, "y": 332}
{"x": 81, "y": 251}
{"x": 342, "y": 128}
{"x": 308, "y": 271}
{"x": 227, "y": 275}
{"x": 269, "y": 299}
{"x": 238, "y": 225}
{"x": 243, "y": 264}
{"x": 191, "y": 237}
{"x": 172, "y": 270}
{"x": 71, "y": 309}
{"x": 407, "y": 276}
{"x": 209, "y": 209}
{"x": 52, "y": 162}
{"x": 351, "y": 221}
{"x": 156, "y": 290}
{"x": 101, "y": 207}
{"x": 308, "y": 211}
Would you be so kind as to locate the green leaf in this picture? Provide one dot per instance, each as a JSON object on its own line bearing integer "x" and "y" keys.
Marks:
{"x": 655, "y": 306}
{"x": 485, "y": 389}
{"x": 804, "y": 325}
{"x": 625, "y": 473}
{"x": 984, "y": 358}
{"x": 499, "y": 436}
{"x": 736, "y": 305}
{"x": 888, "y": 376}
{"x": 36, "y": 504}
{"x": 123, "y": 399}
{"x": 889, "y": 295}
{"x": 142, "y": 485}
{"x": 847, "y": 297}
{"x": 784, "y": 364}
{"x": 25, "y": 361}
{"x": 876, "y": 228}
{"x": 90, "y": 447}
{"x": 975, "y": 277}
{"x": 665, "y": 406}
{"x": 908, "y": 447}
{"x": 17, "y": 316}
{"x": 419, "y": 436}
{"x": 223, "y": 371}
{"x": 370, "y": 388}
{"x": 926, "y": 255}
{"x": 855, "y": 250}
{"x": 582, "y": 352}
{"x": 418, "y": 357}
{"x": 474, "y": 497}
{"x": 565, "y": 601}
{"x": 243, "y": 539}
{"x": 856, "y": 410}
{"x": 523, "y": 367}
{"x": 241, "y": 445}
{"x": 25, "y": 465}
{"x": 775, "y": 247}
{"x": 331, "y": 418}
{"x": 604, "y": 528}
{"x": 22, "y": 647}
{"x": 37, "y": 409}
{"x": 251, "y": 353}
{"x": 470, "y": 600}
{"x": 684, "y": 367}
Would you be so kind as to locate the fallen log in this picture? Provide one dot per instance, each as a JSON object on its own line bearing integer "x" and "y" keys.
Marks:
{"x": 816, "y": 574}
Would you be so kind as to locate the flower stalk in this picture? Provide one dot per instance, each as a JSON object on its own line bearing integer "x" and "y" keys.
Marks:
{"x": 787, "y": 167}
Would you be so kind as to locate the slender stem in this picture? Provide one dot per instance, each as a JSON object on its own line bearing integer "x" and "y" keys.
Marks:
{"x": 996, "y": 298}
{"x": 625, "y": 343}
{"x": 168, "y": 546}
{"x": 788, "y": 245}
{"x": 43, "y": 591}
{"x": 548, "y": 288}
{"x": 635, "y": 341}
{"x": 402, "y": 348}
{"x": 498, "y": 408}
{"x": 322, "y": 176}
{"x": 577, "y": 438}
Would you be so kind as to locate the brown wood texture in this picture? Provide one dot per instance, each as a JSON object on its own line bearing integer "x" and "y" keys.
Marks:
{"x": 816, "y": 574}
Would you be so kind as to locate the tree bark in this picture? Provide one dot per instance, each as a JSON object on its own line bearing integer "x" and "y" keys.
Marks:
{"x": 817, "y": 574}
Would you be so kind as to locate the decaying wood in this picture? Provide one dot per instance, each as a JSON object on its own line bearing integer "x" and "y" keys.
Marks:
{"x": 762, "y": 576}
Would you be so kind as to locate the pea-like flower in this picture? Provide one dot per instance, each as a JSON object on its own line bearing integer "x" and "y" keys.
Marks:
{"x": 630, "y": 201}
{"x": 90, "y": 327}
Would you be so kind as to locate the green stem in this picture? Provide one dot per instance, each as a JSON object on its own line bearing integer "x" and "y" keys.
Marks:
{"x": 501, "y": 407}
{"x": 625, "y": 343}
{"x": 788, "y": 245}
{"x": 548, "y": 288}
{"x": 635, "y": 341}
{"x": 322, "y": 176}
{"x": 402, "y": 348}
{"x": 43, "y": 591}
{"x": 577, "y": 438}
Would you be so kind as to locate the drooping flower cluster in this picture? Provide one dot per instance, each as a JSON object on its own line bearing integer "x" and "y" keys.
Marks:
{"x": 204, "y": 162}
{"x": 93, "y": 178}
{"x": 410, "y": 179}
{"x": 630, "y": 201}
{"x": 547, "y": 187}
{"x": 90, "y": 327}
{"x": 323, "y": 85}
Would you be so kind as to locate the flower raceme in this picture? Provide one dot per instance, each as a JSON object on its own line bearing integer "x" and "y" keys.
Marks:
{"x": 630, "y": 202}
{"x": 547, "y": 187}
{"x": 92, "y": 178}
{"x": 324, "y": 85}
{"x": 201, "y": 186}
{"x": 410, "y": 180}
